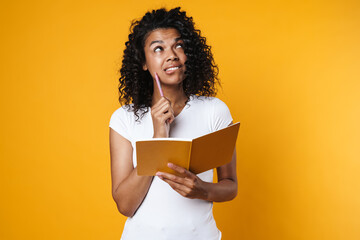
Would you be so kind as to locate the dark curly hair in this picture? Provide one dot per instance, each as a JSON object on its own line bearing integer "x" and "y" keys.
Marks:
{"x": 136, "y": 85}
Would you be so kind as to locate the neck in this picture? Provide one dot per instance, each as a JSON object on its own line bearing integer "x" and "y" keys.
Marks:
{"x": 175, "y": 94}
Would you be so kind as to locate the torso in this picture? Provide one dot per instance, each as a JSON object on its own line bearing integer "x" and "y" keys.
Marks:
{"x": 164, "y": 213}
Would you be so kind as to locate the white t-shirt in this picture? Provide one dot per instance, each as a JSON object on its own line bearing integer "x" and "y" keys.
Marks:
{"x": 164, "y": 213}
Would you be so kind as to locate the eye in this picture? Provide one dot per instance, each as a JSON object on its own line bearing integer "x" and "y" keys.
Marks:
{"x": 179, "y": 45}
{"x": 158, "y": 49}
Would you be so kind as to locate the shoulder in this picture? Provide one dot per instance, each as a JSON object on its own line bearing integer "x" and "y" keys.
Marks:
{"x": 122, "y": 119}
{"x": 210, "y": 102}
{"x": 127, "y": 111}
{"x": 217, "y": 111}
{"x": 123, "y": 112}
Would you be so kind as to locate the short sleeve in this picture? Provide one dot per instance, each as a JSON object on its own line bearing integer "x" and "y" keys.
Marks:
{"x": 120, "y": 123}
{"x": 222, "y": 115}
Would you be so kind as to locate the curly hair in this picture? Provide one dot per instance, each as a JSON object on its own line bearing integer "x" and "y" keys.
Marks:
{"x": 136, "y": 85}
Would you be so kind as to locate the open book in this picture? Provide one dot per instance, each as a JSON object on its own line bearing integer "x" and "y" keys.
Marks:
{"x": 197, "y": 155}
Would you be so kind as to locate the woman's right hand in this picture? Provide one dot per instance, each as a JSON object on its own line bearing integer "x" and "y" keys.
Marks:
{"x": 162, "y": 115}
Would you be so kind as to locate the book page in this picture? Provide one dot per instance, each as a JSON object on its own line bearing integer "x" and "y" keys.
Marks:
{"x": 214, "y": 149}
{"x": 154, "y": 155}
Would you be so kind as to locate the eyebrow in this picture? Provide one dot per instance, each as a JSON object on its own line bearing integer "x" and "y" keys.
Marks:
{"x": 156, "y": 41}
{"x": 160, "y": 41}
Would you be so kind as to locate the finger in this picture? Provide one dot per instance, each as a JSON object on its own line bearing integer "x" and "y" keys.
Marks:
{"x": 172, "y": 118}
{"x": 185, "y": 185}
{"x": 172, "y": 177}
{"x": 187, "y": 182}
{"x": 163, "y": 101}
{"x": 161, "y": 115}
{"x": 168, "y": 117}
{"x": 181, "y": 170}
{"x": 183, "y": 190}
{"x": 166, "y": 107}
{"x": 159, "y": 105}
{"x": 180, "y": 188}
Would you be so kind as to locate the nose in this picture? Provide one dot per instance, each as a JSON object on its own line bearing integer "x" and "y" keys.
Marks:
{"x": 172, "y": 56}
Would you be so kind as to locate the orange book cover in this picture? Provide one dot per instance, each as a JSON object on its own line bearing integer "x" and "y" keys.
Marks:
{"x": 197, "y": 155}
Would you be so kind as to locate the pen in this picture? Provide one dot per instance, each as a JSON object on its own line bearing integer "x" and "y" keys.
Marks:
{"x": 158, "y": 84}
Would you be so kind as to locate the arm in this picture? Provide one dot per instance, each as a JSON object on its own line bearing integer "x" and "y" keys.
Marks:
{"x": 128, "y": 189}
{"x": 226, "y": 187}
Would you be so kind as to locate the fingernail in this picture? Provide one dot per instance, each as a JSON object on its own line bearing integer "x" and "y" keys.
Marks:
{"x": 159, "y": 175}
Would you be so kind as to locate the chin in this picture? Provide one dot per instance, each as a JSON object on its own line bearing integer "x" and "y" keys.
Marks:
{"x": 173, "y": 80}
{"x": 172, "y": 83}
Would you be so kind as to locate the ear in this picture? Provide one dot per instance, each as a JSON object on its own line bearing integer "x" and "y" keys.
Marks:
{"x": 145, "y": 67}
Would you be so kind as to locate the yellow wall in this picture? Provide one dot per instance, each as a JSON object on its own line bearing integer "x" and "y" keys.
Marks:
{"x": 290, "y": 73}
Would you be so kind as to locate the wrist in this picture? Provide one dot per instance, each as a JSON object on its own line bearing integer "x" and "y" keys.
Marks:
{"x": 206, "y": 193}
{"x": 159, "y": 136}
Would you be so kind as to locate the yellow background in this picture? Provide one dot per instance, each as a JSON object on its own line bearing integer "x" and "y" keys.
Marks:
{"x": 290, "y": 72}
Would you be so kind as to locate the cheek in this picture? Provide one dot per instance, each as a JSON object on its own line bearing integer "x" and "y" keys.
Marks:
{"x": 184, "y": 57}
{"x": 151, "y": 62}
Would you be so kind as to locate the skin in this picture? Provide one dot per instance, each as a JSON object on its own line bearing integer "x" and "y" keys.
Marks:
{"x": 163, "y": 49}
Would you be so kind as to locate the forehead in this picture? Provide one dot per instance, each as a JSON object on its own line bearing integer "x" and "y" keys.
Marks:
{"x": 162, "y": 34}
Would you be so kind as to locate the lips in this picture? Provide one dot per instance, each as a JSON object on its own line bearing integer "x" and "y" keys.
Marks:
{"x": 172, "y": 68}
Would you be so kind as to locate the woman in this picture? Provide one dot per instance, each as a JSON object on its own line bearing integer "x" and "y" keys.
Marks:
{"x": 167, "y": 206}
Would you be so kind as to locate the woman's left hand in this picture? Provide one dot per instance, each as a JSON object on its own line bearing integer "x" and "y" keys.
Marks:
{"x": 187, "y": 184}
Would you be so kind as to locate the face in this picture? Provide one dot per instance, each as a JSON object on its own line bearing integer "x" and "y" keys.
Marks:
{"x": 164, "y": 54}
